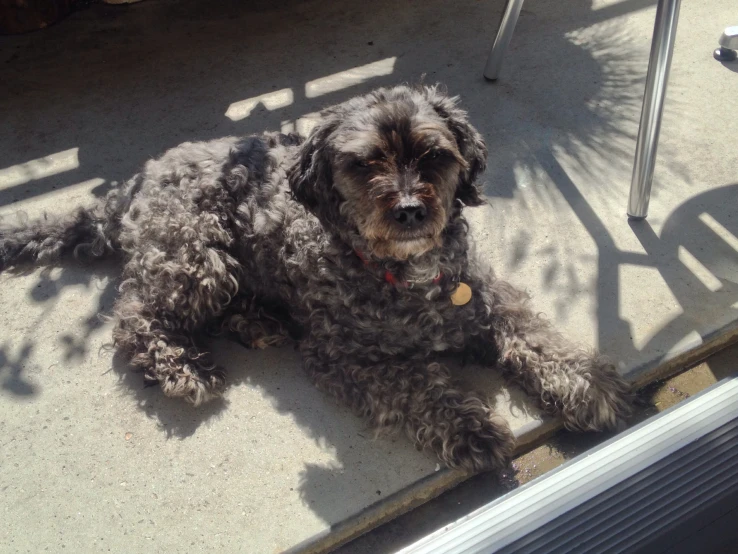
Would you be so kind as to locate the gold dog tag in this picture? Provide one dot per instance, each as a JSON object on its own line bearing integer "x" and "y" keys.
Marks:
{"x": 461, "y": 295}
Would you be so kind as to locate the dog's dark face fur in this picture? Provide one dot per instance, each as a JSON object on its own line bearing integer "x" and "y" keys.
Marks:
{"x": 389, "y": 167}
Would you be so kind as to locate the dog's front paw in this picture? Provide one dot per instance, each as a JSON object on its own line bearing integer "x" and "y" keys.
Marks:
{"x": 476, "y": 440}
{"x": 599, "y": 400}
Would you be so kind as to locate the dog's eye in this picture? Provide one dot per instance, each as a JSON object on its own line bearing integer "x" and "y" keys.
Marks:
{"x": 434, "y": 154}
{"x": 361, "y": 163}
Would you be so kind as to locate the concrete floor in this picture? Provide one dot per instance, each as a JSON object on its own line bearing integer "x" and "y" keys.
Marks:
{"x": 93, "y": 462}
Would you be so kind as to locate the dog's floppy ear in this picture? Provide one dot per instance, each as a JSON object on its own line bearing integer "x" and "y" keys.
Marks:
{"x": 468, "y": 140}
{"x": 311, "y": 179}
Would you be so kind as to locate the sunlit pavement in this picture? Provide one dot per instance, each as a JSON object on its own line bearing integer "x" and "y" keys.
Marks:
{"x": 91, "y": 461}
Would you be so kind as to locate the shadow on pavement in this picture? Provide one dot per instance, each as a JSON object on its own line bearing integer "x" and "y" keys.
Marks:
{"x": 123, "y": 85}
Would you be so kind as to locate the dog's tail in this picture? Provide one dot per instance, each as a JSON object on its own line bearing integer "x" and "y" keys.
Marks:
{"x": 87, "y": 232}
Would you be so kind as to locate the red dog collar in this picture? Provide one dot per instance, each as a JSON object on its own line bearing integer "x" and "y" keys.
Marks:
{"x": 389, "y": 277}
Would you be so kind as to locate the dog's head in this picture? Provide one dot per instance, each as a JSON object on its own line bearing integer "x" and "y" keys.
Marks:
{"x": 391, "y": 165}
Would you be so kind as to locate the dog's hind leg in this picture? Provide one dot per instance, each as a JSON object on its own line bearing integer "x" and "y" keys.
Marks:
{"x": 165, "y": 356}
{"x": 165, "y": 302}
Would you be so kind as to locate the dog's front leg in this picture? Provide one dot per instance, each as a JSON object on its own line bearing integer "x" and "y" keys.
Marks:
{"x": 578, "y": 385}
{"x": 417, "y": 397}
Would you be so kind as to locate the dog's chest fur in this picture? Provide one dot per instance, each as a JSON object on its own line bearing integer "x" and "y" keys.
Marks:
{"x": 332, "y": 293}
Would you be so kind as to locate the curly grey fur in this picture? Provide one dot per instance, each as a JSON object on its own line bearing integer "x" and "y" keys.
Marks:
{"x": 259, "y": 236}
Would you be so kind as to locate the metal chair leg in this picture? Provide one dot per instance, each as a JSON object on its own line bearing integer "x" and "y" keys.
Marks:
{"x": 662, "y": 48}
{"x": 502, "y": 40}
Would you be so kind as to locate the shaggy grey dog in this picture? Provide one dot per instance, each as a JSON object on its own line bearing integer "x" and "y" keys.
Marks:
{"x": 352, "y": 238}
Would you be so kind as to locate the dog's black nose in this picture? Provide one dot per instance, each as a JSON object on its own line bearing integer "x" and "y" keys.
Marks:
{"x": 410, "y": 215}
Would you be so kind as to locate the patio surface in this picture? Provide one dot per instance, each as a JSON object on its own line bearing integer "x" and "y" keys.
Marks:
{"x": 93, "y": 462}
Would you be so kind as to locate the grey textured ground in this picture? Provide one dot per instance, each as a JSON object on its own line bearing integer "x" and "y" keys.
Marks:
{"x": 90, "y": 461}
